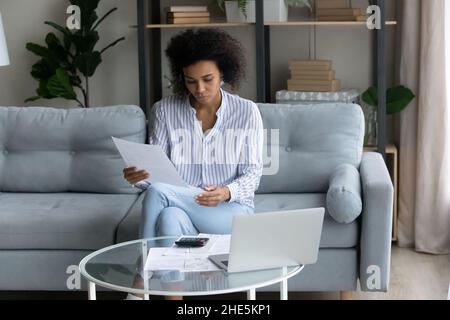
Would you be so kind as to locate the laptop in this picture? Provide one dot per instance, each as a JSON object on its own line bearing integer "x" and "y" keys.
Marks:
{"x": 272, "y": 240}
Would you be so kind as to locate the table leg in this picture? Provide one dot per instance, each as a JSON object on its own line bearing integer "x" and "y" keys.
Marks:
{"x": 251, "y": 294}
{"x": 284, "y": 290}
{"x": 284, "y": 286}
{"x": 91, "y": 291}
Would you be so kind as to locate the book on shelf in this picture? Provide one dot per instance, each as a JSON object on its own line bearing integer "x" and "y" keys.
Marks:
{"x": 188, "y": 20}
{"x": 334, "y": 85}
{"x": 341, "y": 18}
{"x": 312, "y": 74}
{"x": 310, "y": 64}
{"x": 193, "y": 14}
{"x": 187, "y": 8}
{"x": 332, "y": 4}
{"x": 313, "y": 82}
{"x": 340, "y": 12}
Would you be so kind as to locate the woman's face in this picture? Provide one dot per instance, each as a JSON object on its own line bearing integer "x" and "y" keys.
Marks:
{"x": 203, "y": 79}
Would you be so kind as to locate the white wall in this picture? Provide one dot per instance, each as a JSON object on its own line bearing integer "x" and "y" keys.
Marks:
{"x": 116, "y": 80}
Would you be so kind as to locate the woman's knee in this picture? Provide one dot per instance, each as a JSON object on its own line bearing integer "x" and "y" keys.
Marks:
{"x": 174, "y": 221}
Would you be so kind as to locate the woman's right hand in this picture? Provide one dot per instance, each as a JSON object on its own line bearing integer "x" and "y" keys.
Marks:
{"x": 133, "y": 175}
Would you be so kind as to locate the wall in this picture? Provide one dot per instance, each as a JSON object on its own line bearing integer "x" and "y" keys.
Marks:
{"x": 116, "y": 80}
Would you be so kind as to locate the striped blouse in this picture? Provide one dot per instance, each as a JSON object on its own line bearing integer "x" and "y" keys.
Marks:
{"x": 230, "y": 154}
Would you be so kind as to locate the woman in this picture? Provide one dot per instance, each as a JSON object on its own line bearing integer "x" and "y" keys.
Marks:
{"x": 213, "y": 138}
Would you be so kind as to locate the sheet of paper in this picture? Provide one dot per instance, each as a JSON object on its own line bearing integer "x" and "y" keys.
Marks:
{"x": 168, "y": 259}
{"x": 150, "y": 158}
{"x": 188, "y": 259}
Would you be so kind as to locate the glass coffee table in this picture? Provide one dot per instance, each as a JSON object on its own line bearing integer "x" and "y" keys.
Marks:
{"x": 121, "y": 267}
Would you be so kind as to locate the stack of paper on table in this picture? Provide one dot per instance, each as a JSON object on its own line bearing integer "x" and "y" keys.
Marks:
{"x": 188, "y": 259}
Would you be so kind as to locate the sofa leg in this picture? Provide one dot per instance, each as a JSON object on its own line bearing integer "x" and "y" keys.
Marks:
{"x": 346, "y": 295}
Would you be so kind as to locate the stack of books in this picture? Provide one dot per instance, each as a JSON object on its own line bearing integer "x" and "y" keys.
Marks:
{"x": 338, "y": 10}
{"x": 313, "y": 76}
{"x": 187, "y": 14}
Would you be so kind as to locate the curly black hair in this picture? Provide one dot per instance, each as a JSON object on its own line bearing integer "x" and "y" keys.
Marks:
{"x": 191, "y": 46}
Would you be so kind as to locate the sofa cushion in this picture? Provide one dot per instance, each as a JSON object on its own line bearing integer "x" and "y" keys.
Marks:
{"x": 61, "y": 150}
{"x": 344, "y": 195}
{"x": 313, "y": 140}
{"x": 334, "y": 234}
{"x": 61, "y": 220}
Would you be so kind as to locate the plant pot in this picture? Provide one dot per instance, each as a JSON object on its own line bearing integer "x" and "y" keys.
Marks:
{"x": 274, "y": 10}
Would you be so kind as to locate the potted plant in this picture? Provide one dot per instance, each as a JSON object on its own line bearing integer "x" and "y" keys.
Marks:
{"x": 244, "y": 10}
{"x": 66, "y": 64}
{"x": 397, "y": 99}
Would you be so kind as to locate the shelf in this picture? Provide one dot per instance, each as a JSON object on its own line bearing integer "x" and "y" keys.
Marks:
{"x": 322, "y": 23}
{"x": 273, "y": 24}
{"x": 196, "y": 25}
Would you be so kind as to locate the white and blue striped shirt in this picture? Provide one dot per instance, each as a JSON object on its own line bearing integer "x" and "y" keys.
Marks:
{"x": 230, "y": 154}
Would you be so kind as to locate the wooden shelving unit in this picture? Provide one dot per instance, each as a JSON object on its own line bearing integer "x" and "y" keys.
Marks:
{"x": 149, "y": 42}
{"x": 197, "y": 25}
{"x": 272, "y": 24}
{"x": 322, "y": 23}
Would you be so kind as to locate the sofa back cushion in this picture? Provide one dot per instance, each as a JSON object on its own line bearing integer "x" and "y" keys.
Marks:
{"x": 64, "y": 150}
{"x": 313, "y": 140}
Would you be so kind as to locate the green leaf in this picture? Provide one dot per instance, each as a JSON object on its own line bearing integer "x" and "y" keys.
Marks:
{"x": 59, "y": 52}
{"x": 42, "y": 70}
{"x": 59, "y": 85}
{"x": 370, "y": 96}
{"x": 242, "y": 4}
{"x": 397, "y": 99}
{"x": 63, "y": 30}
{"x": 87, "y": 63}
{"x": 43, "y": 91}
{"x": 32, "y": 99}
{"x": 85, "y": 42}
{"x": 45, "y": 53}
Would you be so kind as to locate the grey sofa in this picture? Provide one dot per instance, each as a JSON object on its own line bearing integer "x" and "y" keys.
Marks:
{"x": 63, "y": 195}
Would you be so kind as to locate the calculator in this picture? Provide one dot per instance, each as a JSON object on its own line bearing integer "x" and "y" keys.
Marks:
{"x": 191, "y": 242}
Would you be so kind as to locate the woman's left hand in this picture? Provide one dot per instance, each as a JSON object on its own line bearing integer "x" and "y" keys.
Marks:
{"x": 213, "y": 196}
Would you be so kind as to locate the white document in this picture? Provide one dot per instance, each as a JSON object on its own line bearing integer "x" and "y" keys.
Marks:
{"x": 188, "y": 259}
{"x": 150, "y": 158}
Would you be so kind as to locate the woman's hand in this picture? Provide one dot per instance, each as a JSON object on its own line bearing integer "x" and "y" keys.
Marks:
{"x": 133, "y": 175}
{"x": 213, "y": 196}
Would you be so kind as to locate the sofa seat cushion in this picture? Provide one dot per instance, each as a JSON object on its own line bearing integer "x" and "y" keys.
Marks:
{"x": 334, "y": 234}
{"x": 61, "y": 220}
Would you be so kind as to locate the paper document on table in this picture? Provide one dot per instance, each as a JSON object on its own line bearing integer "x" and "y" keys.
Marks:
{"x": 188, "y": 259}
{"x": 150, "y": 158}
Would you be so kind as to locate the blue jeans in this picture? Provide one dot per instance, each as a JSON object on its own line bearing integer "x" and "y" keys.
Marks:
{"x": 172, "y": 211}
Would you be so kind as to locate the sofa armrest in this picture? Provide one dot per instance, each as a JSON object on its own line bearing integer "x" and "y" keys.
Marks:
{"x": 376, "y": 224}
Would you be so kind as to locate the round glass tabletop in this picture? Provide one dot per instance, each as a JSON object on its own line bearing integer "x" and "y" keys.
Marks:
{"x": 121, "y": 267}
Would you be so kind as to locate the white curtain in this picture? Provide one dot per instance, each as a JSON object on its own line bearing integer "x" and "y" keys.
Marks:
{"x": 424, "y": 193}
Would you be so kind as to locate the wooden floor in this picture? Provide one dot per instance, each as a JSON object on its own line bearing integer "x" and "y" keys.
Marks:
{"x": 414, "y": 275}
